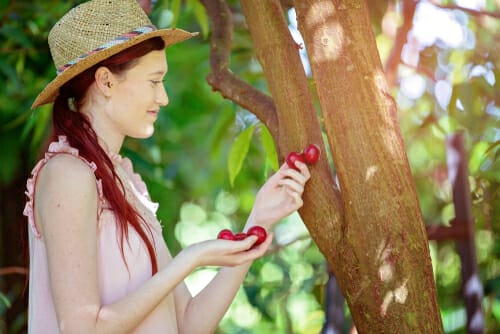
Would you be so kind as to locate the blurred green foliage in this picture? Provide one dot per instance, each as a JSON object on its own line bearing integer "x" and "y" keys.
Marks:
{"x": 208, "y": 157}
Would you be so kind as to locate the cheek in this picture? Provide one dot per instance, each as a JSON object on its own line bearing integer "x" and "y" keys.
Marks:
{"x": 133, "y": 97}
{"x": 130, "y": 93}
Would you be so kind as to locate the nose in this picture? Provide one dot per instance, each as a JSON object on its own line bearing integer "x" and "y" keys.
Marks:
{"x": 162, "y": 96}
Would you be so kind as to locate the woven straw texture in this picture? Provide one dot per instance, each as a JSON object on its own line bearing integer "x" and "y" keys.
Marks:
{"x": 94, "y": 31}
{"x": 91, "y": 25}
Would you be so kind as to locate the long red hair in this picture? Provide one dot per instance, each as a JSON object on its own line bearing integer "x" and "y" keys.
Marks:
{"x": 80, "y": 134}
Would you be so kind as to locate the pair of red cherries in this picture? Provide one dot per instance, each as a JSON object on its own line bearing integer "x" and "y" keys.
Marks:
{"x": 309, "y": 156}
{"x": 256, "y": 230}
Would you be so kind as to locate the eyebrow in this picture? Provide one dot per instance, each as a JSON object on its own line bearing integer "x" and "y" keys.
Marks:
{"x": 159, "y": 72}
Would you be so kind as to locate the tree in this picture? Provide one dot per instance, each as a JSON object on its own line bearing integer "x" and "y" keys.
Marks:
{"x": 185, "y": 164}
{"x": 370, "y": 228}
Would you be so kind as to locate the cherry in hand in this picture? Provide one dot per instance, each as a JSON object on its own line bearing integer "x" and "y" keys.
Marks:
{"x": 310, "y": 156}
{"x": 256, "y": 230}
{"x": 226, "y": 234}
{"x": 259, "y": 232}
{"x": 292, "y": 157}
{"x": 240, "y": 236}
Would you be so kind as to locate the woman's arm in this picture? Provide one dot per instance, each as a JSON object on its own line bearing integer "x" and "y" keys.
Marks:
{"x": 66, "y": 209}
{"x": 279, "y": 197}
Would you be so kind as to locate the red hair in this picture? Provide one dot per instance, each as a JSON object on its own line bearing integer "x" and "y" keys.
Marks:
{"x": 80, "y": 134}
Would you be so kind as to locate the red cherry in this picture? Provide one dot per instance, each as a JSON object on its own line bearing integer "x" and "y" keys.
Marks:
{"x": 311, "y": 154}
{"x": 259, "y": 232}
{"x": 226, "y": 235}
{"x": 294, "y": 156}
{"x": 240, "y": 236}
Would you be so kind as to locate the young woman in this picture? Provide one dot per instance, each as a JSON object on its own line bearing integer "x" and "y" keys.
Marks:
{"x": 98, "y": 261}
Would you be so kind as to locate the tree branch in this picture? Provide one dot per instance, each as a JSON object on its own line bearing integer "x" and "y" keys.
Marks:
{"x": 469, "y": 11}
{"x": 223, "y": 80}
{"x": 394, "y": 58}
{"x": 146, "y": 5}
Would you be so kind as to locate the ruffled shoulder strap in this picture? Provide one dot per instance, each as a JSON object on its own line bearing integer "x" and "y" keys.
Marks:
{"x": 59, "y": 147}
{"x": 136, "y": 180}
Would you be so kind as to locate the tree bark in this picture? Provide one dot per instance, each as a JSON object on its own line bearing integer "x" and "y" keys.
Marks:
{"x": 384, "y": 267}
{"x": 372, "y": 234}
{"x": 298, "y": 123}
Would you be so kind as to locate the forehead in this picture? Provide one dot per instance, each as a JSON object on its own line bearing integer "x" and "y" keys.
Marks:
{"x": 154, "y": 62}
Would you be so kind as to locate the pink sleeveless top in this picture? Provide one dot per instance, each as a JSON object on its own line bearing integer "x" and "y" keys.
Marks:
{"x": 116, "y": 279}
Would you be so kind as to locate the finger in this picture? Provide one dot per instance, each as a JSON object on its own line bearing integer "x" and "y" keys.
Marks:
{"x": 259, "y": 250}
{"x": 296, "y": 198}
{"x": 256, "y": 251}
{"x": 274, "y": 179}
{"x": 295, "y": 175}
{"x": 238, "y": 246}
{"x": 304, "y": 169}
{"x": 293, "y": 185}
{"x": 247, "y": 243}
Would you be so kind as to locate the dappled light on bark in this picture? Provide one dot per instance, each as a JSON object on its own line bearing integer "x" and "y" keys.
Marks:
{"x": 370, "y": 172}
{"x": 397, "y": 295}
{"x": 398, "y": 291}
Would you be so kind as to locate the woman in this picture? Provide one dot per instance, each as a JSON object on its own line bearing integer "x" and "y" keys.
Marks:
{"x": 98, "y": 261}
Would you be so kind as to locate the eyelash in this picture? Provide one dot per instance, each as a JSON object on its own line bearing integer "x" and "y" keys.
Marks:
{"x": 156, "y": 82}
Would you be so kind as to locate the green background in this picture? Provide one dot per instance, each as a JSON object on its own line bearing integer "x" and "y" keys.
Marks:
{"x": 208, "y": 158}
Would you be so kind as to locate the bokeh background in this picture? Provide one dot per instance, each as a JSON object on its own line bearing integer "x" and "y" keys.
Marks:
{"x": 208, "y": 156}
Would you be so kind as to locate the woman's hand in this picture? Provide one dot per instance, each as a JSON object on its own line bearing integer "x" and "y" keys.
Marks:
{"x": 227, "y": 253}
{"x": 280, "y": 196}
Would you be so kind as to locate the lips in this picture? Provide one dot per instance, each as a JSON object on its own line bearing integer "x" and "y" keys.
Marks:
{"x": 153, "y": 113}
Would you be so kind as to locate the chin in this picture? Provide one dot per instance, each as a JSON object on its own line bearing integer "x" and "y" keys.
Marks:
{"x": 142, "y": 135}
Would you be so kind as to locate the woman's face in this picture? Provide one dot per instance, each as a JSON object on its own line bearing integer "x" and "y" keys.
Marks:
{"x": 138, "y": 95}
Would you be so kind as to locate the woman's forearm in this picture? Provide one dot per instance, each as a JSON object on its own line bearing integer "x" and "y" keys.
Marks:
{"x": 205, "y": 311}
{"x": 210, "y": 305}
{"x": 126, "y": 314}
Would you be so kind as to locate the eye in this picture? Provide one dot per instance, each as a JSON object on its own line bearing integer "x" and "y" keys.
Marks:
{"x": 156, "y": 82}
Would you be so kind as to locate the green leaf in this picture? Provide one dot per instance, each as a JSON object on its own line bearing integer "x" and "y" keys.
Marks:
{"x": 5, "y": 300}
{"x": 176, "y": 9}
{"x": 477, "y": 156}
{"x": 42, "y": 124}
{"x": 223, "y": 120}
{"x": 238, "y": 152}
{"x": 269, "y": 147}
{"x": 201, "y": 17}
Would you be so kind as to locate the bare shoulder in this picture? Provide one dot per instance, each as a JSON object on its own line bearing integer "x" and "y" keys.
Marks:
{"x": 66, "y": 190}
{"x": 66, "y": 169}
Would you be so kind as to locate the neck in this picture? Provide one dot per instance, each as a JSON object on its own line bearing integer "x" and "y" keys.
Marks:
{"x": 109, "y": 138}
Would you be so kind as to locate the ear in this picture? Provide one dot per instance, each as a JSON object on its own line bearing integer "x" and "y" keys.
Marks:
{"x": 105, "y": 80}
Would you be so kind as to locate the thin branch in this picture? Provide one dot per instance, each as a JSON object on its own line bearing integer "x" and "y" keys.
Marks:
{"x": 469, "y": 11}
{"x": 222, "y": 79}
{"x": 146, "y": 5}
{"x": 409, "y": 7}
{"x": 395, "y": 57}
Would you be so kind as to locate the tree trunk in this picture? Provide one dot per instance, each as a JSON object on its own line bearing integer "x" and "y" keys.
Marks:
{"x": 374, "y": 237}
{"x": 298, "y": 123}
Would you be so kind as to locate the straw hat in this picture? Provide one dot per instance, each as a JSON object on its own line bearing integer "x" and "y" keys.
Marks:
{"x": 94, "y": 31}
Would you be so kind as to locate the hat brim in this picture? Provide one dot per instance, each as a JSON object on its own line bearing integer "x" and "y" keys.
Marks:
{"x": 50, "y": 92}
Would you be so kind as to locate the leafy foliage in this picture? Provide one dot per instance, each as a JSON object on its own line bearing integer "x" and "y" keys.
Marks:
{"x": 199, "y": 135}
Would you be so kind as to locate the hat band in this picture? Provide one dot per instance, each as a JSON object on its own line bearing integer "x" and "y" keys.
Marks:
{"x": 116, "y": 41}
